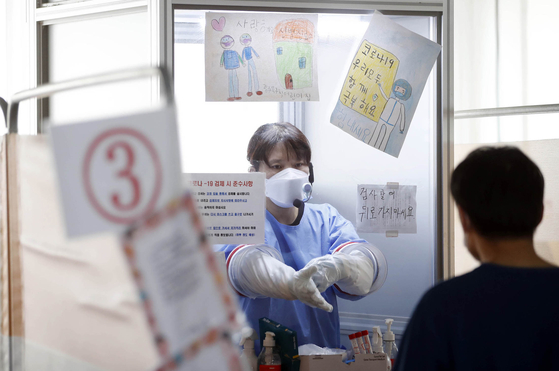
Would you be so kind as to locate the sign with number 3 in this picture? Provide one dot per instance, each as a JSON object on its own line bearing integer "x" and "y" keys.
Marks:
{"x": 116, "y": 171}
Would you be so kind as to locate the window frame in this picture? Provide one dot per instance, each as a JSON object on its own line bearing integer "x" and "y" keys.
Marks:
{"x": 160, "y": 13}
{"x": 294, "y": 113}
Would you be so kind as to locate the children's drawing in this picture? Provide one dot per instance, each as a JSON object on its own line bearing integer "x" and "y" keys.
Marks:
{"x": 231, "y": 60}
{"x": 393, "y": 114}
{"x": 277, "y": 49}
{"x": 293, "y": 45}
{"x": 372, "y": 70}
{"x": 376, "y": 95}
{"x": 218, "y": 25}
{"x": 246, "y": 39}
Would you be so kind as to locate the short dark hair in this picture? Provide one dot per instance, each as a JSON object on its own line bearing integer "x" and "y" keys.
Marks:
{"x": 501, "y": 191}
{"x": 267, "y": 136}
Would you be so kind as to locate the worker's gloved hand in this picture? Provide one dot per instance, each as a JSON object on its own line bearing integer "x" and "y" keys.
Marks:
{"x": 303, "y": 287}
{"x": 353, "y": 273}
{"x": 256, "y": 274}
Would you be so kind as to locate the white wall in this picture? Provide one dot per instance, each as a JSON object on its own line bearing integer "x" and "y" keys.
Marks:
{"x": 14, "y": 53}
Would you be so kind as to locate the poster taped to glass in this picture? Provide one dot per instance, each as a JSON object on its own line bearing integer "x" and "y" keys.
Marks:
{"x": 384, "y": 82}
{"x": 261, "y": 57}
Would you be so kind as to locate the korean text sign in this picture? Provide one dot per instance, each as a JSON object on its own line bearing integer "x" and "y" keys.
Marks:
{"x": 232, "y": 206}
{"x": 386, "y": 208}
{"x": 113, "y": 172}
{"x": 383, "y": 84}
{"x": 185, "y": 296}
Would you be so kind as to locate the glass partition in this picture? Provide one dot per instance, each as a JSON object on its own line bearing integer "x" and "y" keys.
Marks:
{"x": 214, "y": 137}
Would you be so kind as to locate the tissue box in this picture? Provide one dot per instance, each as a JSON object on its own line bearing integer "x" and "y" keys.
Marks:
{"x": 363, "y": 362}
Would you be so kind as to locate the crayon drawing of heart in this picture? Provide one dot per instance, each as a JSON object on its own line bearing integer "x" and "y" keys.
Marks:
{"x": 218, "y": 25}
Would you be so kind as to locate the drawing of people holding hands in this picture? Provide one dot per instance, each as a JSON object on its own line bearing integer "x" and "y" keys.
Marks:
{"x": 248, "y": 50}
{"x": 393, "y": 114}
{"x": 231, "y": 60}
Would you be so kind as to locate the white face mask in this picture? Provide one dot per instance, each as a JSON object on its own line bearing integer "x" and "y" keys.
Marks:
{"x": 287, "y": 186}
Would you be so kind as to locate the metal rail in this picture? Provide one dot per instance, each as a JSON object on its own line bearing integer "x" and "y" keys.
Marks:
{"x": 49, "y": 89}
{"x": 506, "y": 111}
{"x": 4, "y": 106}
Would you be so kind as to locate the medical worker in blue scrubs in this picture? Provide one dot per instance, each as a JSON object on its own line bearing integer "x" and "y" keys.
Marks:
{"x": 311, "y": 253}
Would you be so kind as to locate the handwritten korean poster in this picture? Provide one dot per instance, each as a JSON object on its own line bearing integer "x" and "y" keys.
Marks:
{"x": 231, "y": 205}
{"x": 261, "y": 57}
{"x": 385, "y": 208}
{"x": 384, "y": 82}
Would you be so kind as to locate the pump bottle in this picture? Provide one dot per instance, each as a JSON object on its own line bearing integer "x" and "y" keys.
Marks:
{"x": 269, "y": 359}
{"x": 389, "y": 342}
{"x": 377, "y": 340}
{"x": 248, "y": 355}
{"x": 378, "y": 347}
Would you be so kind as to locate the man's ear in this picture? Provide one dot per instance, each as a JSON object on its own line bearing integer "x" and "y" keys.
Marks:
{"x": 465, "y": 220}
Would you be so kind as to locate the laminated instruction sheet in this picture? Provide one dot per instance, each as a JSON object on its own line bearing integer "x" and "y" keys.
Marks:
{"x": 232, "y": 206}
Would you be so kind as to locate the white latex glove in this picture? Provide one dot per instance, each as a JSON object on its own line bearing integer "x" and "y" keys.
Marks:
{"x": 304, "y": 288}
{"x": 353, "y": 273}
{"x": 264, "y": 276}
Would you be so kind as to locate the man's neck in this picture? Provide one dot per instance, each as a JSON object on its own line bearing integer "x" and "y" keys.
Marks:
{"x": 512, "y": 252}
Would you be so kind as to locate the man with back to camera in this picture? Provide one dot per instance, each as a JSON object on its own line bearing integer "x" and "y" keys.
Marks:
{"x": 504, "y": 315}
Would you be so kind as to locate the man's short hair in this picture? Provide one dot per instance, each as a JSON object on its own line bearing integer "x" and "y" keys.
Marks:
{"x": 501, "y": 191}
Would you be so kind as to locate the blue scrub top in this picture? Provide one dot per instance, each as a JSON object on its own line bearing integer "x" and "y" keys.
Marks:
{"x": 321, "y": 230}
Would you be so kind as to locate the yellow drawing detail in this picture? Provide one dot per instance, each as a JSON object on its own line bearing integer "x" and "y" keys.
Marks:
{"x": 370, "y": 66}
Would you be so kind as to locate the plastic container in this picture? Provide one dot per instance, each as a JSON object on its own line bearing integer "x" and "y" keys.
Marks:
{"x": 390, "y": 342}
{"x": 248, "y": 356}
{"x": 359, "y": 339}
{"x": 367, "y": 342}
{"x": 354, "y": 344}
{"x": 269, "y": 358}
{"x": 377, "y": 340}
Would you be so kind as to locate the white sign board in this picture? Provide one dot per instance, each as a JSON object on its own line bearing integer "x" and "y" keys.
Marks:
{"x": 232, "y": 206}
{"x": 115, "y": 171}
{"x": 386, "y": 208}
{"x": 265, "y": 56}
{"x": 185, "y": 296}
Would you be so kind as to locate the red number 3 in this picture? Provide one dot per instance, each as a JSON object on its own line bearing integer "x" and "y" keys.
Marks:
{"x": 125, "y": 173}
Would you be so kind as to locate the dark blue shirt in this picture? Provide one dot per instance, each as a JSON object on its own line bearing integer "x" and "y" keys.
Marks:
{"x": 493, "y": 318}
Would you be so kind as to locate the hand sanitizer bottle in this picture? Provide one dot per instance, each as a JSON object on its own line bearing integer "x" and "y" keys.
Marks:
{"x": 248, "y": 355}
{"x": 389, "y": 342}
{"x": 269, "y": 359}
